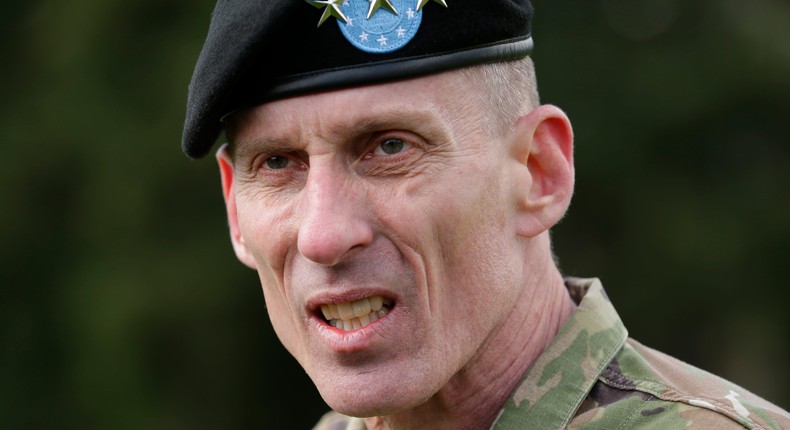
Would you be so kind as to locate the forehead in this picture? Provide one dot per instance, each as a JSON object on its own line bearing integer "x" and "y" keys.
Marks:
{"x": 443, "y": 98}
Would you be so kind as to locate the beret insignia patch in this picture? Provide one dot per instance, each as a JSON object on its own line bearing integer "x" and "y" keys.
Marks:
{"x": 375, "y": 26}
{"x": 392, "y": 24}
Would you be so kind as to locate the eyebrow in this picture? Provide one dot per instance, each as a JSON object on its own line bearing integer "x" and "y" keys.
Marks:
{"x": 246, "y": 147}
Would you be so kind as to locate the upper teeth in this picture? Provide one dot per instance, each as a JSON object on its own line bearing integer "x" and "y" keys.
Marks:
{"x": 353, "y": 315}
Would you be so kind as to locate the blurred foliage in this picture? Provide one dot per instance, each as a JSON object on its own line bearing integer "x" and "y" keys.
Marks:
{"x": 122, "y": 305}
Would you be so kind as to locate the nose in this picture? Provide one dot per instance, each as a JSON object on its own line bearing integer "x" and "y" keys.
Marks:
{"x": 333, "y": 222}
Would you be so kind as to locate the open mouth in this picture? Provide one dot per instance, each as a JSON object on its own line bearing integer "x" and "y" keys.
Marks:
{"x": 354, "y": 315}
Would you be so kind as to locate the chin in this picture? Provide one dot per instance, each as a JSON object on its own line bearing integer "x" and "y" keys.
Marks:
{"x": 369, "y": 397}
{"x": 363, "y": 406}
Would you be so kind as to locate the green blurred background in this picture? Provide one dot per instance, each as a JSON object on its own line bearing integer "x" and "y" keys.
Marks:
{"x": 122, "y": 305}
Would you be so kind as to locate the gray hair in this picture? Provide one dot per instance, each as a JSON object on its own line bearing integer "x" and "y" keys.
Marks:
{"x": 508, "y": 90}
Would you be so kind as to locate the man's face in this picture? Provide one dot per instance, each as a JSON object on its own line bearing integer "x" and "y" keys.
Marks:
{"x": 381, "y": 221}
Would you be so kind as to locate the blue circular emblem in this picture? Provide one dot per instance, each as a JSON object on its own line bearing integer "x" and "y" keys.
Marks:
{"x": 385, "y": 31}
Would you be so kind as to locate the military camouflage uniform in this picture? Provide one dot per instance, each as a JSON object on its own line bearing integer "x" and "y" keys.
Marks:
{"x": 592, "y": 376}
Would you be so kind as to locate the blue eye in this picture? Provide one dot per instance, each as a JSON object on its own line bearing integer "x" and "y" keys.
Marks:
{"x": 277, "y": 162}
{"x": 391, "y": 146}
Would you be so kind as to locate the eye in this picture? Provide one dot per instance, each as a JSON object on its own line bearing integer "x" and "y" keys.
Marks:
{"x": 391, "y": 146}
{"x": 276, "y": 162}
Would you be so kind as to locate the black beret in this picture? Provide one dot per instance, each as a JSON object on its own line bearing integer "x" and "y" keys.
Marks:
{"x": 258, "y": 51}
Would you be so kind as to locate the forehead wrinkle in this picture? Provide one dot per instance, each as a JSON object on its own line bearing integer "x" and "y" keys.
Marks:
{"x": 401, "y": 118}
{"x": 426, "y": 122}
{"x": 444, "y": 111}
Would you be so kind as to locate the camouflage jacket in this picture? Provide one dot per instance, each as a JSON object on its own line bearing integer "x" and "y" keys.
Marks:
{"x": 592, "y": 376}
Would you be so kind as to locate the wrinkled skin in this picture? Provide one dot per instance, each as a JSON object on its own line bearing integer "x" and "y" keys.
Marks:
{"x": 397, "y": 190}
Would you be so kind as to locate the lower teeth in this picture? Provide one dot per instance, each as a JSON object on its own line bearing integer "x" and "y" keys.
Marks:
{"x": 357, "y": 323}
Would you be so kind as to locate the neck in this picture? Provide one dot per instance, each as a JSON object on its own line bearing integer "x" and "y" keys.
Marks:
{"x": 474, "y": 396}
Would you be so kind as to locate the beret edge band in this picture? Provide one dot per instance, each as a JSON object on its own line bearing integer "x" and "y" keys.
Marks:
{"x": 198, "y": 143}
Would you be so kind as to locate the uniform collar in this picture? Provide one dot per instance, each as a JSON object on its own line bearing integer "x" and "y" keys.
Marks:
{"x": 562, "y": 376}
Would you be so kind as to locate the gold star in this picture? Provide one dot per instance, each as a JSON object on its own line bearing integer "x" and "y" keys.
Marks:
{"x": 421, "y": 3}
{"x": 376, "y": 4}
{"x": 331, "y": 8}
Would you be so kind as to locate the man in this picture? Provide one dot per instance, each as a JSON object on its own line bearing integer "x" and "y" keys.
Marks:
{"x": 392, "y": 177}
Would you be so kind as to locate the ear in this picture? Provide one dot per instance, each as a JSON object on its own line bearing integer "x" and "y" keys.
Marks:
{"x": 543, "y": 145}
{"x": 229, "y": 193}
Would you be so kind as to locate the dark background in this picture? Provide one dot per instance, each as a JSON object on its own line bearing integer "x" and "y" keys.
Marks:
{"x": 122, "y": 305}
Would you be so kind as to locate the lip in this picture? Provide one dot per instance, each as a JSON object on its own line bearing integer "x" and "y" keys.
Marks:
{"x": 340, "y": 341}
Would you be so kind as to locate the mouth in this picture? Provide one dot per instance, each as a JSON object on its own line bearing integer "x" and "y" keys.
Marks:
{"x": 348, "y": 316}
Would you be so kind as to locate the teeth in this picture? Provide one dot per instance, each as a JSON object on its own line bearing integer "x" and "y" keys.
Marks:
{"x": 361, "y": 307}
{"x": 355, "y": 315}
{"x": 364, "y": 320}
{"x": 333, "y": 311}
{"x": 346, "y": 310}
{"x": 326, "y": 312}
{"x": 376, "y": 302}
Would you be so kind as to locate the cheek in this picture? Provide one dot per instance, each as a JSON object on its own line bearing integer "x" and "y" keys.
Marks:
{"x": 267, "y": 234}
{"x": 476, "y": 250}
{"x": 281, "y": 317}
{"x": 267, "y": 230}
